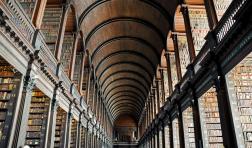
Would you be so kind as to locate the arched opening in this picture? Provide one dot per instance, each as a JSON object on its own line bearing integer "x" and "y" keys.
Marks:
{"x": 180, "y": 42}
{"x": 125, "y": 129}
{"x": 51, "y": 22}
{"x": 70, "y": 37}
{"x": 79, "y": 62}
{"x": 172, "y": 58}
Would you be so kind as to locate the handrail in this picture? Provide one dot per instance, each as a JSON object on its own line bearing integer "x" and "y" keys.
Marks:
{"x": 26, "y": 31}
{"x": 228, "y": 19}
{"x": 20, "y": 20}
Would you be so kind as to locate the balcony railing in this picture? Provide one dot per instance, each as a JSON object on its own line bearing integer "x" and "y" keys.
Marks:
{"x": 226, "y": 24}
{"x": 228, "y": 19}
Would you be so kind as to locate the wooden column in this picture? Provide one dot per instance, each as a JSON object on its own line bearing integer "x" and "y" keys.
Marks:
{"x": 184, "y": 10}
{"x": 177, "y": 58}
{"x": 196, "y": 122}
{"x": 61, "y": 34}
{"x": 162, "y": 86}
{"x": 39, "y": 13}
{"x": 167, "y": 56}
{"x": 73, "y": 56}
{"x": 88, "y": 85}
{"x": 154, "y": 102}
{"x": 68, "y": 128}
{"x": 148, "y": 112}
{"x": 150, "y": 141}
{"x": 78, "y": 138}
{"x": 158, "y": 138}
{"x": 163, "y": 135}
{"x": 86, "y": 135}
{"x": 159, "y": 102}
{"x": 153, "y": 107}
{"x": 181, "y": 128}
{"x": 52, "y": 120}
{"x": 94, "y": 98}
{"x": 82, "y": 72}
{"x": 211, "y": 14}
{"x": 98, "y": 107}
{"x": 171, "y": 134}
{"x": 226, "y": 119}
{"x": 24, "y": 107}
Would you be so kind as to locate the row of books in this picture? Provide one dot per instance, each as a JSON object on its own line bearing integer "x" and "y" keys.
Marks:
{"x": 9, "y": 90}
{"x": 77, "y": 68}
{"x": 175, "y": 130}
{"x": 83, "y": 136}
{"x": 183, "y": 53}
{"x": 188, "y": 128}
{"x": 199, "y": 25}
{"x": 60, "y": 127}
{"x": 66, "y": 54}
{"x": 73, "y": 133}
{"x": 6, "y": 80}
{"x": 240, "y": 83}
{"x": 210, "y": 120}
{"x": 51, "y": 24}
{"x": 5, "y": 96}
{"x": 7, "y": 87}
{"x": 173, "y": 70}
{"x": 36, "y": 129}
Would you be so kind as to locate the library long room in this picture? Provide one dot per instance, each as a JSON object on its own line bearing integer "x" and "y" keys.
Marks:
{"x": 125, "y": 74}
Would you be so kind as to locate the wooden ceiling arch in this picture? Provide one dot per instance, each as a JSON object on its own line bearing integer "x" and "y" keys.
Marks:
{"x": 125, "y": 97}
{"x": 127, "y": 104}
{"x": 125, "y": 40}
{"x": 122, "y": 97}
{"x": 127, "y": 79}
{"x": 131, "y": 93}
{"x": 123, "y": 101}
{"x": 122, "y": 65}
{"x": 124, "y": 74}
{"x": 124, "y": 88}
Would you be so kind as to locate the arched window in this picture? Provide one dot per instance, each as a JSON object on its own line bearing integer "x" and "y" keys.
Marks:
{"x": 70, "y": 36}
{"x": 51, "y": 23}
{"x": 199, "y": 25}
{"x": 79, "y": 62}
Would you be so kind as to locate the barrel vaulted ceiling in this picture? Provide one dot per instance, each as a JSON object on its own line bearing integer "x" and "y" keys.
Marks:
{"x": 125, "y": 39}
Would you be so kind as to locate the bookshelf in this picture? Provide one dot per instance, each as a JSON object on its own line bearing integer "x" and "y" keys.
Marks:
{"x": 210, "y": 120}
{"x": 77, "y": 69}
{"x": 160, "y": 139}
{"x": 175, "y": 130}
{"x": 10, "y": 81}
{"x": 60, "y": 128}
{"x": 73, "y": 133}
{"x": 167, "y": 136}
{"x": 82, "y": 136}
{"x": 183, "y": 53}
{"x": 239, "y": 82}
{"x": 221, "y": 6}
{"x": 174, "y": 75}
{"x": 166, "y": 83}
{"x": 85, "y": 80}
{"x": 37, "y": 121}
{"x": 28, "y": 6}
{"x": 51, "y": 24}
{"x": 199, "y": 25}
{"x": 91, "y": 93}
{"x": 188, "y": 128}
{"x": 66, "y": 53}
